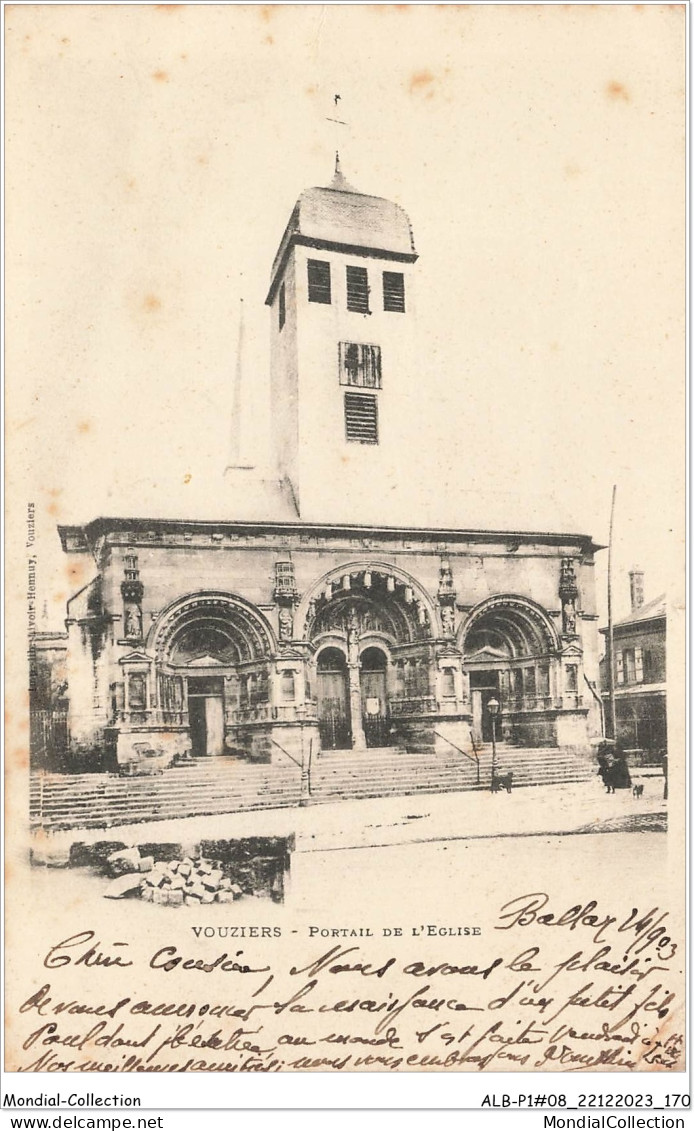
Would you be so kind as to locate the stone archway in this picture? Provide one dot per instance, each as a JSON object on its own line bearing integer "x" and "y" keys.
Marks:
{"x": 212, "y": 654}
{"x": 510, "y": 653}
{"x": 221, "y": 620}
{"x": 384, "y": 599}
{"x": 369, "y": 614}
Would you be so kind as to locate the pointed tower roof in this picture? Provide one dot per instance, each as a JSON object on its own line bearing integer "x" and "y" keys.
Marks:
{"x": 339, "y": 182}
{"x": 341, "y": 218}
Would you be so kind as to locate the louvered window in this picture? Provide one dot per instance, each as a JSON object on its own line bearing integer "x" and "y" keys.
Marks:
{"x": 360, "y": 365}
{"x": 358, "y": 289}
{"x": 361, "y": 418}
{"x": 282, "y": 306}
{"x": 319, "y": 281}
{"x": 620, "y": 667}
{"x": 394, "y": 291}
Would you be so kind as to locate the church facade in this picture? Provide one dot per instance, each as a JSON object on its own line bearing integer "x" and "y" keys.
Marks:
{"x": 296, "y": 631}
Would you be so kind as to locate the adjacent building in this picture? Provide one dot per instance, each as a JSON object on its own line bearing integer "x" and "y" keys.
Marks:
{"x": 48, "y": 699}
{"x": 639, "y": 673}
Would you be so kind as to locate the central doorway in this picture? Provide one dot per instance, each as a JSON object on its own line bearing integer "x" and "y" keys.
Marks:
{"x": 484, "y": 685}
{"x": 206, "y": 716}
{"x": 334, "y": 719}
{"x": 374, "y": 703}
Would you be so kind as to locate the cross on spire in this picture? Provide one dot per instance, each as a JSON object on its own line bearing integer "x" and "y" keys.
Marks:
{"x": 338, "y": 121}
{"x": 338, "y": 181}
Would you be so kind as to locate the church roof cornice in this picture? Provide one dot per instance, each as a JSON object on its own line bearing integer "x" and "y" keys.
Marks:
{"x": 83, "y": 538}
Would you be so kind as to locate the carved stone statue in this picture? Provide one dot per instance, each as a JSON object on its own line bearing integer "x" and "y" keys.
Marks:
{"x": 445, "y": 577}
{"x": 286, "y": 623}
{"x": 448, "y": 620}
{"x": 568, "y": 574}
{"x": 568, "y": 592}
{"x": 133, "y": 621}
{"x": 568, "y": 613}
{"x": 353, "y": 641}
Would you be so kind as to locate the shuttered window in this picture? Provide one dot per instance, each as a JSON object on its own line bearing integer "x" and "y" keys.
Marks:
{"x": 620, "y": 667}
{"x": 629, "y": 666}
{"x": 319, "y": 281}
{"x": 360, "y": 365}
{"x": 358, "y": 289}
{"x": 638, "y": 664}
{"x": 394, "y": 291}
{"x": 361, "y": 418}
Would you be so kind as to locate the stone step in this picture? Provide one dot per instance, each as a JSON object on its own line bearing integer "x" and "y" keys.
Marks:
{"x": 168, "y": 809}
{"x": 214, "y": 767}
{"x": 219, "y": 785}
{"x": 171, "y": 779}
{"x": 424, "y": 763}
{"x": 276, "y": 783}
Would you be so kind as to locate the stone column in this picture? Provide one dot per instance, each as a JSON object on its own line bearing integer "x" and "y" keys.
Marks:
{"x": 358, "y": 736}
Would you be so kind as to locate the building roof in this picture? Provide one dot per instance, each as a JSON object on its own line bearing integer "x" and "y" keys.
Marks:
{"x": 652, "y": 610}
{"x": 340, "y": 217}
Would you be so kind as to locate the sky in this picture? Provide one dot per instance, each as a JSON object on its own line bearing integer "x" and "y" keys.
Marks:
{"x": 154, "y": 154}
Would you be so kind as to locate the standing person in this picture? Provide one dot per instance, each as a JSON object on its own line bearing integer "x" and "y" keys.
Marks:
{"x": 605, "y": 764}
{"x": 621, "y": 778}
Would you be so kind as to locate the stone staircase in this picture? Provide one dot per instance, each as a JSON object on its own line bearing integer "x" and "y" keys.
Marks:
{"x": 204, "y": 787}
{"x": 392, "y": 773}
{"x": 211, "y": 786}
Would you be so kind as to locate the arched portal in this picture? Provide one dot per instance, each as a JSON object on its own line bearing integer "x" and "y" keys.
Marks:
{"x": 510, "y": 653}
{"x": 332, "y": 686}
{"x": 212, "y": 655}
{"x": 379, "y": 618}
{"x": 380, "y": 597}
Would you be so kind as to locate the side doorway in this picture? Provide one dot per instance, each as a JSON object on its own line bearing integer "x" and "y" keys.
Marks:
{"x": 374, "y": 701}
{"x": 332, "y": 689}
{"x": 206, "y": 716}
{"x": 484, "y": 685}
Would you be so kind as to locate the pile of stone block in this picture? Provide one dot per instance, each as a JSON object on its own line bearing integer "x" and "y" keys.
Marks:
{"x": 172, "y": 882}
{"x": 189, "y": 881}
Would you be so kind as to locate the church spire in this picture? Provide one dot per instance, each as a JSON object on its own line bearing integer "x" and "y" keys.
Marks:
{"x": 237, "y": 438}
{"x": 339, "y": 181}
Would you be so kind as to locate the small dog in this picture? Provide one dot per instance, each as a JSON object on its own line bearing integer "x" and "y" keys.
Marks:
{"x": 637, "y": 791}
{"x": 502, "y": 781}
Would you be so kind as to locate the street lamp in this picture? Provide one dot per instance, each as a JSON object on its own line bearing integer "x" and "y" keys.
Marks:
{"x": 493, "y": 708}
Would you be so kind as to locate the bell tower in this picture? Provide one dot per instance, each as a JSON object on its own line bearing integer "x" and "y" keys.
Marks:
{"x": 341, "y": 304}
